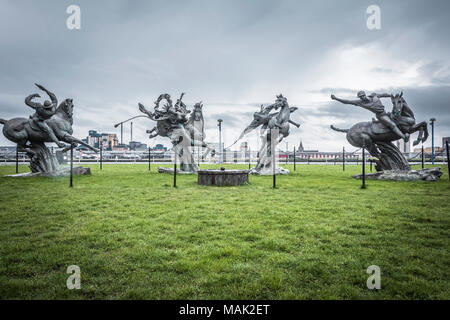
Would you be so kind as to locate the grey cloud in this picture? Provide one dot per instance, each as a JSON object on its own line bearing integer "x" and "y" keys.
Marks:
{"x": 214, "y": 50}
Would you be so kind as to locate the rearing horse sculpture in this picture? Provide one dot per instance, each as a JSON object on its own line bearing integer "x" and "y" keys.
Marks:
{"x": 274, "y": 128}
{"x": 377, "y": 138}
{"x": 32, "y": 141}
{"x": 172, "y": 122}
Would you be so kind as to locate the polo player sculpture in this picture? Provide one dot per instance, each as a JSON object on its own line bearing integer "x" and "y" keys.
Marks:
{"x": 183, "y": 127}
{"x": 376, "y": 136}
{"x": 49, "y": 123}
{"x": 274, "y": 128}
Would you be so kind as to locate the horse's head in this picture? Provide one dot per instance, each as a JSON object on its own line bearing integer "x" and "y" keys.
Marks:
{"x": 197, "y": 112}
{"x": 280, "y": 102}
{"x": 66, "y": 108}
{"x": 397, "y": 104}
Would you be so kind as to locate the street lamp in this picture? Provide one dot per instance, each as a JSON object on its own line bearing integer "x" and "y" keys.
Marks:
{"x": 432, "y": 120}
{"x": 219, "y": 124}
{"x": 121, "y": 126}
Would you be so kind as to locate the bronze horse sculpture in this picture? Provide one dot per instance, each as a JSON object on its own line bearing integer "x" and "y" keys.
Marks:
{"x": 172, "y": 121}
{"x": 32, "y": 141}
{"x": 274, "y": 128}
{"x": 377, "y": 138}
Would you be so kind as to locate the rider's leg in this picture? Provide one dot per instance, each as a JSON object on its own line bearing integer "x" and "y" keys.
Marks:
{"x": 44, "y": 127}
{"x": 384, "y": 118}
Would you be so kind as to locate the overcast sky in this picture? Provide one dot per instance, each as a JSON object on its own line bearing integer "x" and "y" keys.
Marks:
{"x": 232, "y": 55}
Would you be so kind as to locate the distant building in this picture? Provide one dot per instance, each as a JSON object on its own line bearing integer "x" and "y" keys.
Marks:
{"x": 428, "y": 150}
{"x": 159, "y": 147}
{"x": 120, "y": 147}
{"x": 316, "y": 154}
{"x": 107, "y": 141}
{"x": 137, "y": 146}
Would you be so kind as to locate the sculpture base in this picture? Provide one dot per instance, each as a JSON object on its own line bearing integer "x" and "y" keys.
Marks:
{"x": 64, "y": 172}
{"x": 268, "y": 171}
{"x": 429, "y": 174}
{"x": 170, "y": 170}
{"x": 222, "y": 177}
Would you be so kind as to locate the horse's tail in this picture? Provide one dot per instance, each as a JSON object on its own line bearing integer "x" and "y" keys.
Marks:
{"x": 337, "y": 129}
{"x": 3, "y": 121}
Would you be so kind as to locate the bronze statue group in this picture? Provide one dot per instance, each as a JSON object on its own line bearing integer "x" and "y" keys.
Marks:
{"x": 185, "y": 128}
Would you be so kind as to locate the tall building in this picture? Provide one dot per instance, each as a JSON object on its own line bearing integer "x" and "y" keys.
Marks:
{"x": 108, "y": 141}
{"x": 300, "y": 147}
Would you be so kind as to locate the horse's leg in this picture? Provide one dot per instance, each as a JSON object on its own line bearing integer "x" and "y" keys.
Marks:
{"x": 72, "y": 146}
{"x": 425, "y": 130}
{"x": 368, "y": 144}
{"x": 419, "y": 137}
{"x": 155, "y": 129}
{"x": 208, "y": 149}
{"x": 22, "y": 147}
{"x": 66, "y": 137}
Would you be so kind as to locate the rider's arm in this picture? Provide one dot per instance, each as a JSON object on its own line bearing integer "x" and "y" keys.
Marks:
{"x": 50, "y": 94}
{"x": 29, "y": 101}
{"x": 353, "y": 102}
{"x": 383, "y": 95}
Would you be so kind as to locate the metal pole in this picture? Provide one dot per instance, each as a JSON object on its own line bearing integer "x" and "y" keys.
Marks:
{"x": 272, "y": 147}
{"x": 71, "y": 167}
{"x": 363, "y": 169}
{"x": 448, "y": 162}
{"x": 17, "y": 159}
{"x": 294, "y": 160}
{"x": 432, "y": 120}
{"x": 220, "y": 140}
{"x": 175, "y": 170}
{"x": 131, "y": 131}
{"x": 273, "y": 171}
{"x": 423, "y": 158}
{"x": 121, "y": 133}
{"x": 343, "y": 158}
{"x": 101, "y": 157}
{"x": 149, "y": 154}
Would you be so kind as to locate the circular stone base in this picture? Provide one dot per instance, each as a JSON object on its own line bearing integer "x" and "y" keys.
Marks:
{"x": 222, "y": 177}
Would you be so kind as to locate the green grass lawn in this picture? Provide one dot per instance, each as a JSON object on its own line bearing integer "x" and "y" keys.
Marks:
{"x": 134, "y": 236}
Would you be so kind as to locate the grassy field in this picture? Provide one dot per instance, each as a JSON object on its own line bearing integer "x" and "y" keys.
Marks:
{"x": 134, "y": 236}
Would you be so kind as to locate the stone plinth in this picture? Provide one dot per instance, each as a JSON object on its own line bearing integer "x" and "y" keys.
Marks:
{"x": 222, "y": 177}
{"x": 428, "y": 174}
{"x": 62, "y": 172}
